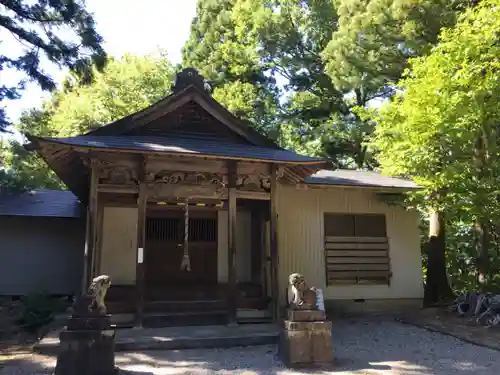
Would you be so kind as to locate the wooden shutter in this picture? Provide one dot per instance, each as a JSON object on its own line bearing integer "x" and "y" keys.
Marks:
{"x": 356, "y": 249}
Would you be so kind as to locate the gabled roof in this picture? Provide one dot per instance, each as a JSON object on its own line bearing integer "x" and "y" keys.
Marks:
{"x": 40, "y": 203}
{"x": 347, "y": 177}
{"x": 176, "y": 100}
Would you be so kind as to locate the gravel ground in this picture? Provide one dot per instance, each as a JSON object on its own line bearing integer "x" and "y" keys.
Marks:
{"x": 361, "y": 348}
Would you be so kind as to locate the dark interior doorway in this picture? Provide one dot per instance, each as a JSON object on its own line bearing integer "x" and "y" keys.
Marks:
{"x": 165, "y": 247}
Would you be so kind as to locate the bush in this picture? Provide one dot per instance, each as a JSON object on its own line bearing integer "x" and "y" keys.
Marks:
{"x": 38, "y": 310}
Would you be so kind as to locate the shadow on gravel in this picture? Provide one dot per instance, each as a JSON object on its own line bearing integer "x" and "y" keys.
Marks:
{"x": 381, "y": 343}
{"x": 11, "y": 364}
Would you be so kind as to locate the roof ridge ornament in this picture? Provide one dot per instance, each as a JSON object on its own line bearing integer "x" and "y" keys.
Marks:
{"x": 187, "y": 77}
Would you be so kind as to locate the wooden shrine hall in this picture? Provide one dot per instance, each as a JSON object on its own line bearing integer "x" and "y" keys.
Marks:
{"x": 181, "y": 209}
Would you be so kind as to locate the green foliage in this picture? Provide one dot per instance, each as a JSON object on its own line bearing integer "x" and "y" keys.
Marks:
{"x": 375, "y": 38}
{"x": 442, "y": 130}
{"x": 36, "y": 26}
{"x": 234, "y": 69}
{"x": 329, "y": 58}
{"x": 447, "y": 102}
{"x": 38, "y": 310}
{"x": 124, "y": 87}
{"x": 25, "y": 170}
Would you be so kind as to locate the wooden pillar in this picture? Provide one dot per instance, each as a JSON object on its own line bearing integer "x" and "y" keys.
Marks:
{"x": 90, "y": 231}
{"x": 85, "y": 276}
{"x": 273, "y": 224}
{"x": 231, "y": 241}
{"x": 141, "y": 229}
{"x": 256, "y": 244}
{"x": 98, "y": 246}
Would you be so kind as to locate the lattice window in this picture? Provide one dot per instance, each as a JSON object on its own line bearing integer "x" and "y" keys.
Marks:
{"x": 202, "y": 230}
{"x": 172, "y": 229}
{"x": 164, "y": 229}
{"x": 356, "y": 249}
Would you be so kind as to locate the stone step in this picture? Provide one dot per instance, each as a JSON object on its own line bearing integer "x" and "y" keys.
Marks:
{"x": 177, "y": 319}
{"x": 184, "y": 306}
{"x": 176, "y": 338}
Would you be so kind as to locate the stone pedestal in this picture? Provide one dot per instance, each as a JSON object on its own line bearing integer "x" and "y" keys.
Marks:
{"x": 306, "y": 339}
{"x": 87, "y": 347}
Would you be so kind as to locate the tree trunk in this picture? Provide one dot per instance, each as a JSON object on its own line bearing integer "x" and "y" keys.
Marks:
{"x": 481, "y": 226}
{"x": 482, "y": 248}
{"x": 437, "y": 287}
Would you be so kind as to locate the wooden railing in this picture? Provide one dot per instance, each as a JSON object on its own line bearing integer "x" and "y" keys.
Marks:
{"x": 355, "y": 260}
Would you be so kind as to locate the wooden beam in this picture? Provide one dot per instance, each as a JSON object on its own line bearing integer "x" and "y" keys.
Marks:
{"x": 182, "y": 191}
{"x": 274, "y": 242}
{"x": 120, "y": 189}
{"x": 231, "y": 253}
{"x": 186, "y": 163}
{"x": 90, "y": 233}
{"x": 140, "y": 253}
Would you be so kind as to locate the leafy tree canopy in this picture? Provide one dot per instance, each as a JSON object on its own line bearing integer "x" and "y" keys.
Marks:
{"x": 329, "y": 57}
{"x": 442, "y": 130}
{"x": 444, "y": 118}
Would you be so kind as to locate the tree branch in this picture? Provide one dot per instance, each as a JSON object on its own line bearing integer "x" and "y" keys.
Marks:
{"x": 21, "y": 11}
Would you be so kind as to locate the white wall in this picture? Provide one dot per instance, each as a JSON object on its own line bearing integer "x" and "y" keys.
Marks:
{"x": 301, "y": 241}
{"x": 119, "y": 243}
{"x": 243, "y": 246}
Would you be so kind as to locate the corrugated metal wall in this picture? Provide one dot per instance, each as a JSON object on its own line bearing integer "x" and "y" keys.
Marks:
{"x": 301, "y": 241}
{"x": 39, "y": 254}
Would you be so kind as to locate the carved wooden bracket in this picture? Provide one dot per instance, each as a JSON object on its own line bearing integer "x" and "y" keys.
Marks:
{"x": 166, "y": 190}
{"x": 248, "y": 181}
{"x": 189, "y": 178}
{"x": 118, "y": 175}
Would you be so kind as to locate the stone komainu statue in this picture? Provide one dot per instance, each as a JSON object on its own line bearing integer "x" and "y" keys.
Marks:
{"x": 303, "y": 297}
{"x": 97, "y": 291}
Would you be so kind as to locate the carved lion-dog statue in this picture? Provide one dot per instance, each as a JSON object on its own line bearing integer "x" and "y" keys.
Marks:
{"x": 302, "y": 297}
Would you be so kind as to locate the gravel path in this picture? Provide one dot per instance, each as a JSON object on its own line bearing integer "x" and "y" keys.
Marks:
{"x": 361, "y": 348}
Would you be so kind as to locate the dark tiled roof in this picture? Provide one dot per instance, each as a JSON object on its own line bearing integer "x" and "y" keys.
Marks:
{"x": 187, "y": 146}
{"x": 348, "y": 177}
{"x": 41, "y": 203}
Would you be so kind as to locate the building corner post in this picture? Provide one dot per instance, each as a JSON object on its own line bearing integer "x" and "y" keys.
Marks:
{"x": 232, "y": 292}
{"x": 273, "y": 226}
{"x": 141, "y": 230}
{"x": 91, "y": 225}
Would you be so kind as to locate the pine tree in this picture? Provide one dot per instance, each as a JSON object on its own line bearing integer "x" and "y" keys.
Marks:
{"x": 41, "y": 28}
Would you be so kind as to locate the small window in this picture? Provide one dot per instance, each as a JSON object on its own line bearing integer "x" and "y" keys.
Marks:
{"x": 356, "y": 249}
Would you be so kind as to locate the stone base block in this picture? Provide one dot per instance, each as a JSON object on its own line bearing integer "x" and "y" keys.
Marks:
{"x": 305, "y": 315}
{"x": 86, "y": 353}
{"x": 92, "y": 323}
{"x": 306, "y": 344}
